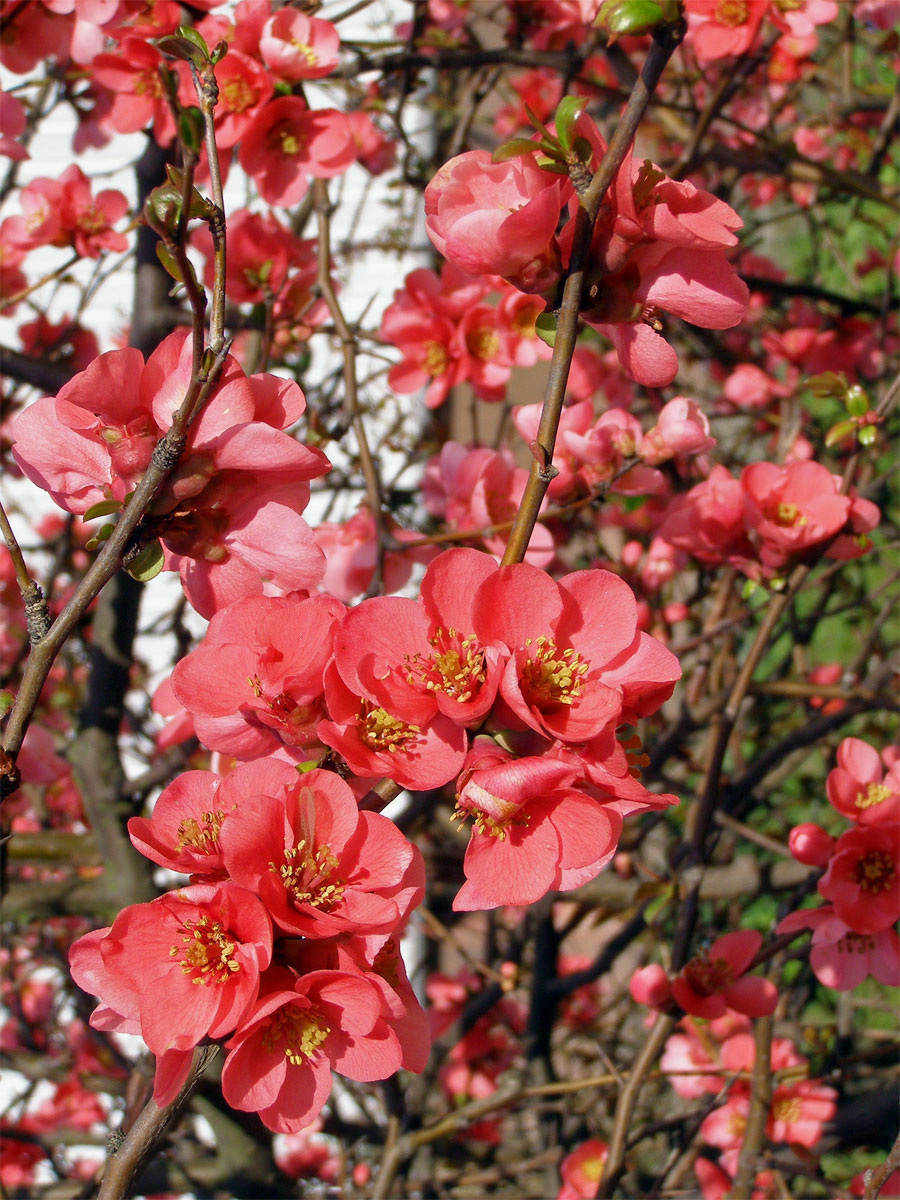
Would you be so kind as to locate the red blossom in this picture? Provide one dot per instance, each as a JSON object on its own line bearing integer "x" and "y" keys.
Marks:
{"x": 281, "y": 1058}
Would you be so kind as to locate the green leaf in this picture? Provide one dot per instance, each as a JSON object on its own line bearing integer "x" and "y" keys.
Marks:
{"x": 867, "y": 435}
{"x": 148, "y": 564}
{"x": 566, "y": 112}
{"x": 219, "y": 52}
{"x": 190, "y": 131}
{"x": 103, "y": 509}
{"x": 185, "y": 43}
{"x": 169, "y": 262}
{"x": 7, "y": 700}
{"x": 657, "y": 906}
{"x": 829, "y": 383}
{"x": 582, "y": 149}
{"x": 838, "y": 432}
{"x": 857, "y": 401}
{"x": 545, "y": 327}
{"x": 629, "y": 17}
{"x": 514, "y": 148}
{"x": 100, "y": 536}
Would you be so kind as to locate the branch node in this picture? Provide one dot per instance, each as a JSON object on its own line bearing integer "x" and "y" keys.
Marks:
{"x": 37, "y": 614}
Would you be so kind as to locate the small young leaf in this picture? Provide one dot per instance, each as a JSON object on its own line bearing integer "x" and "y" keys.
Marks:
{"x": 7, "y": 699}
{"x": 148, "y": 564}
{"x": 100, "y": 536}
{"x": 103, "y": 509}
{"x": 857, "y": 401}
{"x": 867, "y": 435}
{"x": 190, "y": 131}
{"x": 838, "y": 432}
{"x": 567, "y": 110}
{"x": 168, "y": 260}
{"x": 828, "y": 383}
{"x": 545, "y": 326}
{"x": 620, "y": 18}
{"x": 514, "y": 148}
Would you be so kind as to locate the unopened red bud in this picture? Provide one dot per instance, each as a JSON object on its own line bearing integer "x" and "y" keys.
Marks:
{"x": 810, "y": 844}
{"x": 650, "y": 986}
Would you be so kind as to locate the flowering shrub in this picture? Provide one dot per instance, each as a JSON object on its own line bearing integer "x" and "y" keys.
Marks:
{"x": 507, "y": 785}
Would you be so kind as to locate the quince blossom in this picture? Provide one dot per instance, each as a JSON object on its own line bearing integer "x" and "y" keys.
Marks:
{"x": 220, "y": 528}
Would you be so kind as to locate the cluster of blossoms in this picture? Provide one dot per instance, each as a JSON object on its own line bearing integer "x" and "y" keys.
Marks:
{"x": 229, "y": 517}
{"x": 854, "y": 933}
{"x": 281, "y": 143}
{"x": 448, "y": 334}
{"x": 704, "y": 1060}
{"x": 285, "y": 942}
{"x": 473, "y": 488}
{"x": 658, "y": 245}
{"x": 769, "y": 517}
{"x": 542, "y": 673}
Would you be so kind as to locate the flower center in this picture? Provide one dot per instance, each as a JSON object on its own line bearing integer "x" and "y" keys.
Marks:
{"x": 306, "y": 874}
{"x": 299, "y": 1031}
{"x": 305, "y": 51}
{"x": 456, "y": 668}
{"x": 483, "y": 343}
{"x": 732, "y": 12}
{"x": 202, "y": 835}
{"x": 238, "y": 94}
{"x": 875, "y": 793}
{"x": 788, "y": 515}
{"x": 552, "y": 677}
{"x": 380, "y": 731}
{"x": 205, "y": 952}
{"x": 147, "y": 83}
{"x": 436, "y": 359}
{"x": 787, "y": 1108}
{"x": 494, "y": 823}
{"x": 707, "y": 976}
{"x": 875, "y": 872}
{"x": 286, "y": 140}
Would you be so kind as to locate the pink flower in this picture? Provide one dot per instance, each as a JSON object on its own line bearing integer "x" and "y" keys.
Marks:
{"x": 221, "y": 529}
{"x": 582, "y": 1170}
{"x": 281, "y": 1058}
{"x": 320, "y": 866}
{"x": 374, "y": 150}
{"x": 183, "y": 832}
{"x": 351, "y": 551}
{"x": 179, "y": 969}
{"x": 12, "y": 124}
{"x": 244, "y": 87}
{"x": 294, "y": 46}
{"x": 420, "y": 658}
{"x": 577, "y": 660}
{"x": 792, "y": 508}
{"x": 860, "y": 788}
{"x": 497, "y": 218}
{"x": 286, "y": 142}
{"x": 863, "y": 879}
{"x": 718, "y": 30}
{"x": 532, "y": 831}
{"x": 255, "y": 683}
{"x": 682, "y": 428}
{"x": 132, "y": 73}
{"x": 708, "y": 521}
{"x": 715, "y": 981}
{"x": 375, "y": 741}
{"x": 841, "y": 958}
{"x": 474, "y": 488}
